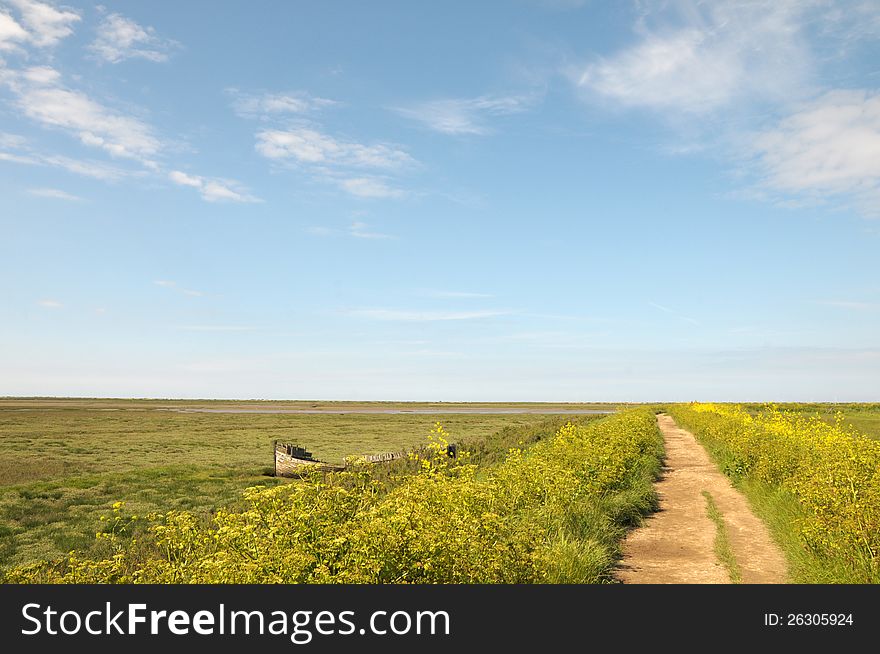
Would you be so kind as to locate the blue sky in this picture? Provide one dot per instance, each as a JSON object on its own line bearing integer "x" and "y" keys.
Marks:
{"x": 524, "y": 200}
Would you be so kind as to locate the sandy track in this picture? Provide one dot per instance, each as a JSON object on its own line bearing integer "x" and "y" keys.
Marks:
{"x": 676, "y": 545}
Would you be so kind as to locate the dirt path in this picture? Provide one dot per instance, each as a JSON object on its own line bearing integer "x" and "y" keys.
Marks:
{"x": 676, "y": 545}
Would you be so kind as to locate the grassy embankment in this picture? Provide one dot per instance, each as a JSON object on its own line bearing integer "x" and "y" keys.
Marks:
{"x": 816, "y": 485}
{"x": 64, "y": 463}
{"x": 552, "y": 512}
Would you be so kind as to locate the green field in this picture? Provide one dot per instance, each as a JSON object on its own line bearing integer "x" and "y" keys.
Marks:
{"x": 863, "y": 417}
{"x": 63, "y": 463}
{"x": 552, "y": 508}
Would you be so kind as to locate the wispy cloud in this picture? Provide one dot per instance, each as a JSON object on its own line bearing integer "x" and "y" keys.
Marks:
{"x": 43, "y": 98}
{"x": 341, "y": 162}
{"x": 86, "y": 168}
{"x": 50, "y": 304}
{"x": 369, "y": 187}
{"x": 742, "y": 78}
{"x": 827, "y": 148}
{"x": 269, "y": 105}
{"x": 700, "y": 57}
{"x": 174, "y": 286}
{"x": 8, "y": 140}
{"x": 460, "y": 116}
{"x": 309, "y": 146}
{"x": 15, "y": 149}
{"x": 120, "y": 38}
{"x": 11, "y": 33}
{"x": 424, "y": 316}
{"x": 213, "y": 190}
{"x": 362, "y": 230}
{"x": 46, "y": 25}
{"x": 54, "y": 193}
{"x": 357, "y": 229}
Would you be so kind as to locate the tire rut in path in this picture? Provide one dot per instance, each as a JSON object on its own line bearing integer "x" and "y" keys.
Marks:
{"x": 676, "y": 545}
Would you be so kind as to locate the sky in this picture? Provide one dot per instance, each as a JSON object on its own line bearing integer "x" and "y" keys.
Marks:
{"x": 528, "y": 200}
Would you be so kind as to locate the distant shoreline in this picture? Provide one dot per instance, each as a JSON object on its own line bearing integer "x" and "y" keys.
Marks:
{"x": 306, "y": 406}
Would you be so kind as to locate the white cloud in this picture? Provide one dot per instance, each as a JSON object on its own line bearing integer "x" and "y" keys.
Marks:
{"x": 41, "y": 95}
{"x": 41, "y": 75}
{"x": 24, "y": 154}
{"x": 464, "y": 115}
{"x": 8, "y": 140}
{"x": 716, "y": 69}
{"x": 50, "y": 304}
{"x": 46, "y": 24}
{"x": 11, "y": 33}
{"x": 120, "y": 38}
{"x": 276, "y": 104}
{"x": 42, "y": 98}
{"x": 309, "y": 146}
{"x": 183, "y": 179}
{"x": 213, "y": 190}
{"x": 362, "y": 230}
{"x": 710, "y": 56}
{"x": 14, "y": 157}
{"x": 217, "y": 191}
{"x": 337, "y": 161}
{"x": 360, "y": 169}
{"x": 86, "y": 168}
{"x": 369, "y": 187}
{"x": 829, "y": 147}
{"x": 423, "y": 316}
{"x": 54, "y": 193}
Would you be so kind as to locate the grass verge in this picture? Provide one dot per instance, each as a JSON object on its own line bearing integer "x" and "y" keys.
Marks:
{"x": 813, "y": 484}
{"x": 723, "y": 550}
